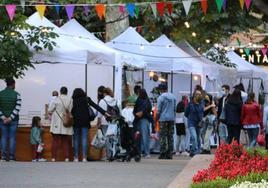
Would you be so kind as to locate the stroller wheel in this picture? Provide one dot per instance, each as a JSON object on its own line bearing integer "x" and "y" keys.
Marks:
{"x": 137, "y": 158}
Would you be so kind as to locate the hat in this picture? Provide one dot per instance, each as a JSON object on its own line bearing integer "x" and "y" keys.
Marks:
{"x": 162, "y": 87}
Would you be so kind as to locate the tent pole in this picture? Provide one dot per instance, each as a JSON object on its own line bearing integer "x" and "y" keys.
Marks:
{"x": 171, "y": 82}
{"x": 113, "y": 78}
{"x": 191, "y": 85}
{"x": 86, "y": 79}
{"x": 142, "y": 77}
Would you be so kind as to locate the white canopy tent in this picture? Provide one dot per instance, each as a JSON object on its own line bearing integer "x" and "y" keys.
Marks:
{"x": 219, "y": 73}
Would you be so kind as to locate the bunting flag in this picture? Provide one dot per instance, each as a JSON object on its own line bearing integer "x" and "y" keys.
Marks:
{"x": 169, "y": 8}
{"x": 57, "y": 8}
{"x": 224, "y": 6}
{"x": 160, "y": 6}
{"x": 11, "y": 11}
{"x": 86, "y": 10}
{"x": 219, "y": 4}
{"x": 101, "y": 9}
{"x": 204, "y": 5}
{"x": 153, "y": 6}
{"x": 131, "y": 9}
{"x": 187, "y": 5}
{"x": 137, "y": 11}
{"x": 247, "y": 2}
{"x": 22, "y": 3}
{"x": 238, "y": 41}
{"x": 122, "y": 9}
{"x": 247, "y": 51}
{"x": 242, "y": 4}
{"x": 264, "y": 51}
{"x": 41, "y": 10}
{"x": 70, "y": 10}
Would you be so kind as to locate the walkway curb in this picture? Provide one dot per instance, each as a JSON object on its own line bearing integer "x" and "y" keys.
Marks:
{"x": 184, "y": 178}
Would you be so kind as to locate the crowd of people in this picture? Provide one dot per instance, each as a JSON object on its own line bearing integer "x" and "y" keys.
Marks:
{"x": 194, "y": 119}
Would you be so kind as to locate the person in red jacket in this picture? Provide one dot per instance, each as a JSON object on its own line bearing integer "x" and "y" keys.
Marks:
{"x": 251, "y": 119}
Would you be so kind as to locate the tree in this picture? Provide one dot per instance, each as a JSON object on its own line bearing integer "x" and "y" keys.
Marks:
{"x": 16, "y": 39}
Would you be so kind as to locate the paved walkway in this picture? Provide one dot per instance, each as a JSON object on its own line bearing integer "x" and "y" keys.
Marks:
{"x": 149, "y": 173}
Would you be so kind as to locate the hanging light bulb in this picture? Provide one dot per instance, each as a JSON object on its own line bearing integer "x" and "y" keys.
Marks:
{"x": 194, "y": 34}
{"x": 241, "y": 50}
{"x": 151, "y": 74}
{"x": 226, "y": 48}
{"x": 195, "y": 78}
{"x": 187, "y": 25}
{"x": 207, "y": 41}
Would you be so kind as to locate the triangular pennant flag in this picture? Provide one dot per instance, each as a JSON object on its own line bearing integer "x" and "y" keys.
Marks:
{"x": 70, "y": 10}
{"x": 137, "y": 11}
{"x": 238, "y": 41}
{"x": 219, "y": 4}
{"x": 86, "y": 10}
{"x": 242, "y": 3}
{"x": 41, "y": 10}
{"x": 131, "y": 9}
{"x": 264, "y": 51}
{"x": 204, "y": 5}
{"x": 187, "y": 5}
{"x": 57, "y": 8}
{"x": 101, "y": 10}
{"x": 247, "y": 2}
{"x": 224, "y": 6}
{"x": 121, "y": 9}
{"x": 22, "y": 4}
{"x": 160, "y": 8}
{"x": 11, "y": 11}
{"x": 247, "y": 51}
{"x": 153, "y": 6}
{"x": 169, "y": 8}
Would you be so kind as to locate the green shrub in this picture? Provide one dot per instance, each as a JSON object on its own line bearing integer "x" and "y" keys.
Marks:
{"x": 224, "y": 183}
{"x": 258, "y": 151}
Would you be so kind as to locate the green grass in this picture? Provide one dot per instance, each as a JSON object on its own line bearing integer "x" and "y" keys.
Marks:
{"x": 224, "y": 183}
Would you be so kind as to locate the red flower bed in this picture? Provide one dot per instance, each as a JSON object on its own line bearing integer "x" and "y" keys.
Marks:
{"x": 232, "y": 161}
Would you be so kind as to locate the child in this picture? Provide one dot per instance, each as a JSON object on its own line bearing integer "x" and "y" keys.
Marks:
{"x": 35, "y": 139}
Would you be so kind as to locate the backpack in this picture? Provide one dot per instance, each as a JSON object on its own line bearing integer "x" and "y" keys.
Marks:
{"x": 112, "y": 110}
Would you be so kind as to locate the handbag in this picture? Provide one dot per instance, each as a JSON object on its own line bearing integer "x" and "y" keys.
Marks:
{"x": 92, "y": 114}
{"x": 261, "y": 139}
{"x": 99, "y": 140}
{"x": 67, "y": 118}
{"x": 40, "y": 148}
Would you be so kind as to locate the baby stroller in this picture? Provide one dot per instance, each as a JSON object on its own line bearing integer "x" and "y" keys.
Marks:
{"x": 121, "y": 145}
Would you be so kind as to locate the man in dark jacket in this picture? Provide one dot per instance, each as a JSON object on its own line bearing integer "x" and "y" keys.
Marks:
{"x": 10, "y": 104}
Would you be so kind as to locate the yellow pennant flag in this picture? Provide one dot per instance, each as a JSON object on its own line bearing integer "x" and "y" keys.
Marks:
{"x": 41, "y": 10}
{"x": 242, "y": 2}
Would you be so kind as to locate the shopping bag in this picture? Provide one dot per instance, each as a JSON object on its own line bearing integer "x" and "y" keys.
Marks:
{"x": 99, "y": 140}
{"x": 112, "y": 129}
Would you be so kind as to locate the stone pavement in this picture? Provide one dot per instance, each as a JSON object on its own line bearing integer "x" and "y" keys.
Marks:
{"x": 149, "y": 173}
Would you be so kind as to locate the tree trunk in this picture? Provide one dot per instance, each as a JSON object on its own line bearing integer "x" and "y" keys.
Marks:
{"x": 116, "y": 22}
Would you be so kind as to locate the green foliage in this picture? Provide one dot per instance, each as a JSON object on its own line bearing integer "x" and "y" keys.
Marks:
{"x": 224, "y": 183}
{"x": 16, "y": 39}
{"x": 258, "y": 151}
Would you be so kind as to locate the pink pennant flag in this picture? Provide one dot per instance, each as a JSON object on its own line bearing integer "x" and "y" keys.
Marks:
{"x": 70, "y": 10}
{"x": 122, "y": 9}
{"x": 247, "y": 2}
{"x": 11, "y": 11}
{"x": 264, "y": 51}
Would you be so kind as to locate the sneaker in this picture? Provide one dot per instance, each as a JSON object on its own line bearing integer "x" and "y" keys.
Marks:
{"x": 162, "y": 157}
{"x": 185, "y": 153}
{"x": 76, "y": 160}
{"x": 84, "y": 160}
{"x": 42, "y": 160}
{"x": 34, "y": 160}
{"x": 191, "y": 155}
{"x": 53, "y": 160}
{"x": 178, "y": 153}
{"x": 67, "y": 160}
{"x": 147, "y": 156}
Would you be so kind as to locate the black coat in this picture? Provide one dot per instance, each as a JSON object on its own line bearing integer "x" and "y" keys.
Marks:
{"x": 233, "y": 112}
{"x": 80, "y": 111}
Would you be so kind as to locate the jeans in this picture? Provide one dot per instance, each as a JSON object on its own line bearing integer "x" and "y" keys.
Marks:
{"x": 195, "y": 138}
{"x": 144, "y": 128}
{"x": 180, "y": 146}
{"x": 207, "y": 130}
{"x": 234, "y": 133}
{"x": 8, "y": 131}
{"x": 223, "y": 134}
{"x": 187, "y": 136}
{"x": 252, "y": 136}
{"x": 80, "y": 133}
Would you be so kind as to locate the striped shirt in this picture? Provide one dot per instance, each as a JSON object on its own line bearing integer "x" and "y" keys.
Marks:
{"x": 10, "y": 104}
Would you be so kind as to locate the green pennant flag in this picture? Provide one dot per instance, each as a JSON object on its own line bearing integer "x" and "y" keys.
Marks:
{"x": 247, "y": 51}
{"x": 219, "y": 4}
{"x": 137, "y": 11}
